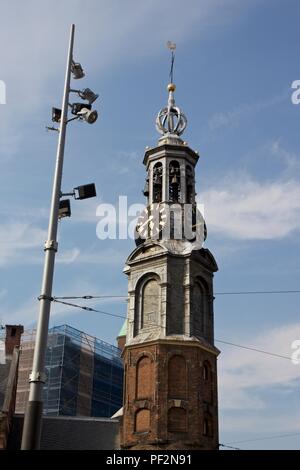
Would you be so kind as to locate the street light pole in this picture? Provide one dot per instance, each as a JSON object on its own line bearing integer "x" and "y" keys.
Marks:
{"x": 33, "y": 415}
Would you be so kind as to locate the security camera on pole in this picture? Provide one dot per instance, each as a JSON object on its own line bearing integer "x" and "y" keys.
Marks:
{"x": 59, "y": 208}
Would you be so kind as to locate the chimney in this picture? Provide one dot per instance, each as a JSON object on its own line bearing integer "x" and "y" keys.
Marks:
{"x": 12, "y": 337}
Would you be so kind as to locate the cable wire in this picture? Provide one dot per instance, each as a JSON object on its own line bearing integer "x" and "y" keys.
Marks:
{"x": 262, "y": 292}
{"x": 229, "y": 447}
{"x": 279, "y": 436}
{"x": 89, "y": 297}
{"x": 89, "y": 309}
{"x": 253, "y": 349}
{"x": 254, "y": 292}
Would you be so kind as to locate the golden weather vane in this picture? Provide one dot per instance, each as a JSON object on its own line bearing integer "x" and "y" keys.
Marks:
{"x": 172, "y": 46}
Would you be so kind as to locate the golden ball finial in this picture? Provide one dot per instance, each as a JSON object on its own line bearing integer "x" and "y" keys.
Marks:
{"x": 171, "y": 87}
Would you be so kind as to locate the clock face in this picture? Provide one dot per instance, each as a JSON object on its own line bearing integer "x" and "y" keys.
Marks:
{"x": 164, "y": 221}
{"x": 151, "y": 223}
{"x": 196, "y": 229}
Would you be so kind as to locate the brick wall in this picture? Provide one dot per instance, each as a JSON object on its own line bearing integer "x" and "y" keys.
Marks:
{"x": 178, "y": 406}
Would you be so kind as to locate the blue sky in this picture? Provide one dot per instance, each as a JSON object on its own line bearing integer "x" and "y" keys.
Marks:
{"x": 235, "y": 63}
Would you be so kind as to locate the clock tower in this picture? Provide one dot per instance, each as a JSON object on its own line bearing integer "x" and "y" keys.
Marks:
{"x": 170, "y": 389}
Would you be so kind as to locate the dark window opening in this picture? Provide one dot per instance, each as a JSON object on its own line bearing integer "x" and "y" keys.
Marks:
{"x": 189, "y": 185}
{"x": 157, "y": 182}
{"x": 174, "y": 181}
{"x": 146, "y": 188}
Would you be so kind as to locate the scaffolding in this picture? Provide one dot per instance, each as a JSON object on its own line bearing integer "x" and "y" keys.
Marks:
{"x": 84, "y": 374}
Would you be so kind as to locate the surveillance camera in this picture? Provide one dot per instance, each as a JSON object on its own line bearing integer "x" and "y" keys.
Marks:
{"x": 88, "y": 115}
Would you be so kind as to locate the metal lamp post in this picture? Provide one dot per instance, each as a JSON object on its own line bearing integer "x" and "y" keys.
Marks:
{"x": 33, "y": 415}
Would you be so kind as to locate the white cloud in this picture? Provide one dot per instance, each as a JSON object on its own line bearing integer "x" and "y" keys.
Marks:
{"x": 18, "y": 242}
{"x": 241, "y": 208}
{"x": 22, "y": 243}
{"x": 288, "y": 158}
{"x": 232, "y": 118}
{"x": 244, "y": 374}
{"x": 257, "y": 426}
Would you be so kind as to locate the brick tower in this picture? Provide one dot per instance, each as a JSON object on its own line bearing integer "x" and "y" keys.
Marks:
{"x": 170, "y": 390}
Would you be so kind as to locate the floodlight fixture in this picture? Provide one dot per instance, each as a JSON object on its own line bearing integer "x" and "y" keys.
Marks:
{"x": 78, "y": 107}
{"x": 84, "y": 111}
{"x": 88, "y": 94}
{"x": 90, "y": 116}
{"x": 77, "y": 70}
{"x": 64, "y": 208}
{"x": 56, "y": 114}
{"x": 85, "y": 191}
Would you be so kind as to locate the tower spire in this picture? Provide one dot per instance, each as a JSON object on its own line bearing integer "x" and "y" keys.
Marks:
{"x": 170, "y": 121}
{"x": 170, "y": 394}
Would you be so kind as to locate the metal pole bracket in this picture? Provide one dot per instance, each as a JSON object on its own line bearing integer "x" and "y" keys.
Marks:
{"x": 37, "y": 377}
{"x": 51, "y": 245}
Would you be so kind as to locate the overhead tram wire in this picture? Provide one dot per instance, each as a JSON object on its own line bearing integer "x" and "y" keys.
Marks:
{"x": 88, "y": 297}
{"x": 229, "y": 447}
{"x": 259, "y": 292}
{"x": 279, "y": 436}
{"x": 257, "y": 439}
{"x": 90, "y": 309}
{"x": 267, "y": 292}
{"x": 252, "y": 349}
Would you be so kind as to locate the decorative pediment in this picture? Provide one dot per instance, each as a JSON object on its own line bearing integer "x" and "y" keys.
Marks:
{"x": 206, "y": 258}
{"x": 146, "y": 250}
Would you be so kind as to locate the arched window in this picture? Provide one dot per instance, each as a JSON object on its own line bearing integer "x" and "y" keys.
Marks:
{"x": 177, "y": 420}
{"x": 157, "y": 182}
{"x": 189, "y": 185}
{"x": 150, "y": 304}
{"x": 206, "y": 371}
{"x": 142, "y": 420}
{"x": 147, "y": 304}
{"x": 144, "y": 378}
{"x": 208, "y": 392}
{"x": 177, "y": 377}
{"x": 198, "y": 309}
{"x": 174, "y": 181}
{"x": 202, "y": 310}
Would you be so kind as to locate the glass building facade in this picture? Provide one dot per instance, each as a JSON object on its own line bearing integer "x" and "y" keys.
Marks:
{"x": 84, "y": 374}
